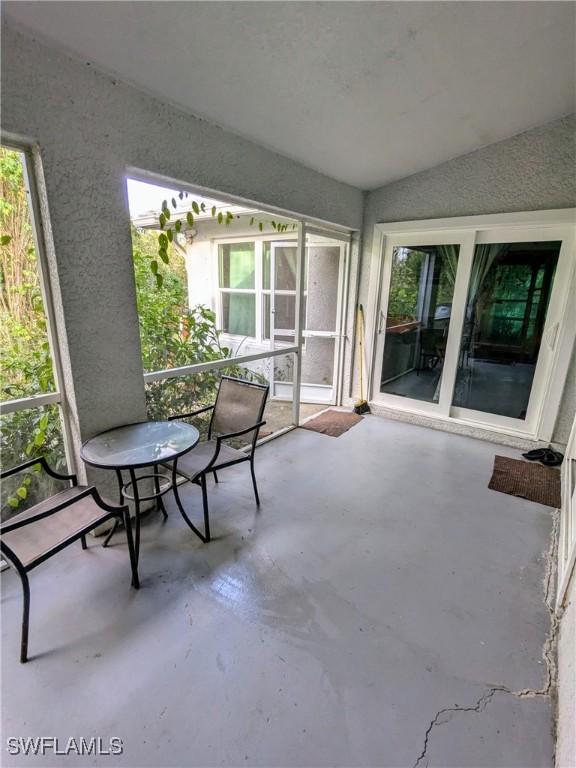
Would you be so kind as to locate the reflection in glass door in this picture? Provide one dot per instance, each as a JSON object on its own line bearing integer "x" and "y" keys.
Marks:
{"x": 418, "y": 318}
{"x": 508, "y": 296}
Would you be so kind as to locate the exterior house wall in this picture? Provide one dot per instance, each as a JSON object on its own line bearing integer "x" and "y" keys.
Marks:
{"x": 321, "y": 314}
{"x": 531, "y": 171}
{"x": 91, "y": 129}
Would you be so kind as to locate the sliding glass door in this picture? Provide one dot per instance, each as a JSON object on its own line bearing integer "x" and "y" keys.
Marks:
{"x": 508, "y": 298}
{"x": 514, "y": 311}
{"x": 418, "y": 320}
{"x": 468, "y": 321}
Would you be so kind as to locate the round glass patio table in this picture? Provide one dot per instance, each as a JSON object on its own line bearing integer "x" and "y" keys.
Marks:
{"x": 137, "y": 446}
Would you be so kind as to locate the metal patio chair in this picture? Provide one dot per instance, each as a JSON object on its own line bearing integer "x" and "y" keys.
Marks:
{"x": 237, "y": 412}
{"x": 32, "y": 537}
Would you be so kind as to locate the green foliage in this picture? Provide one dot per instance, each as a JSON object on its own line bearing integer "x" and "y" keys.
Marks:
{"x": 171, "y": 335}
{"x": 166, "y": 238}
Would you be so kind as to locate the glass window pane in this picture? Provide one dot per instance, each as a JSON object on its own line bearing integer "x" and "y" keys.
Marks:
{"x": 25, "y": 358}
{"x": 324, "y": 277}
{"x": 419, "y": 310}
{"x": 318, "y": 361}
{"x": 284, "y": 317}
{"x": 285, "y": 260}
{"x": 285, "y": 263}
{"x": 510, "y": 287}
{"x": 237, "y": 268}
{"x": 239, "y": 313}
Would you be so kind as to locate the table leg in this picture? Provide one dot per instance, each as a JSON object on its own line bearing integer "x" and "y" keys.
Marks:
{"x": 116, "y": 520}
{"x": 187, "y": 520}
{"x": 160, "y": 501}
{"x": 137, "y": 516}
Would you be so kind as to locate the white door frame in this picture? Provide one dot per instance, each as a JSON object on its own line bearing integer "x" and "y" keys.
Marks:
{"x": 337, "y": 334}
{"x": 559, "y": 331}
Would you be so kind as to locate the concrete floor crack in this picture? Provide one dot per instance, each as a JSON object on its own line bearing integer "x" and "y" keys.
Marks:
{"x": 444, "y": 716}
{"x": 480, "y": 705}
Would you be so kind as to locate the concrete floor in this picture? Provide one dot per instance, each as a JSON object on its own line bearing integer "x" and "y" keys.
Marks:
{"x": 278, "y": 414}
{"x": 379, "y": 610}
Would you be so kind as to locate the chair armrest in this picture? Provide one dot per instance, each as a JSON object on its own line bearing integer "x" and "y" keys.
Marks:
{"x": 45, "y": 466}
{"x": 192, "y": 413}
{"x": 90, "y": 491}
{"x": 227, "y": 436}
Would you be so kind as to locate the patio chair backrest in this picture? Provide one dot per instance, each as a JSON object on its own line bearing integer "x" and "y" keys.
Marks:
{"x": 239, "y": 405}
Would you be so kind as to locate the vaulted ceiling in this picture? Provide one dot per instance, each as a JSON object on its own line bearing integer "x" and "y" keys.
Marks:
{"x": 365, "y": 92}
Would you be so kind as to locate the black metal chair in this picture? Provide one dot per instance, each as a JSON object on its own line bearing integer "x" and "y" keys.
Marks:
{"x": 237, "y": 412}
{"x": 432, "y": 348}
{"x": 32, "y": 537}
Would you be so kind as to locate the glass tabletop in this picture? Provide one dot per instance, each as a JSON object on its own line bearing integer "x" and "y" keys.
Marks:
{"x": 140, "y": 445}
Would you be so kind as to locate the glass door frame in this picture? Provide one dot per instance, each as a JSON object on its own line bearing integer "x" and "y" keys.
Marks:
{"x": 465, "y": 240}
{"x": 559, "y": 329}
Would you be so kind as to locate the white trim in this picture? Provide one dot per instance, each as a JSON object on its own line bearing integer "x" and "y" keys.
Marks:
{"x": 140, "y": 174}
{"x": 299, "y": 317}
{"x": 567, "y": 538}
{"x": 34, "y": 401}
{"x": 187, "y": 370}
{"x": 554, "y": 217}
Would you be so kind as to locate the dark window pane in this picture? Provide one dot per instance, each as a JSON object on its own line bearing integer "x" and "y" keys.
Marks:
{"x": 508, "y": 297}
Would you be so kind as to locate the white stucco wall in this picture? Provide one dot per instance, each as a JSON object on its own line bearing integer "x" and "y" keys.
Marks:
{"x": 90, "y": 129}
{"x": 531, "y": 171}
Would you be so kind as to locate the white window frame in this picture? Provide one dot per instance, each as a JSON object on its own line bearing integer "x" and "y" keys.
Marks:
{"x": 559, "y": 332}
{"x": 259, "y": 291}
{"x": 247, "y": 291}
{"x": 56, "y": 396}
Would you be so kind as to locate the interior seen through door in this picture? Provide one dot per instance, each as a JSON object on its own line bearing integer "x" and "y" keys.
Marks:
{"x": 508, "y": 298}
{"x": 418, "y": 319}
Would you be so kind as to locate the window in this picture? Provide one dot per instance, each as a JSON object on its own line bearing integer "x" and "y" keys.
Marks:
{"x": 237, "y": 282}
{"x": 31, "y": 415}
{"x": 252, "y": 296}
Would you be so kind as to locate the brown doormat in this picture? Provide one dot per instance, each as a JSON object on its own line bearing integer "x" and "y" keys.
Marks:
{"x": 528, "y": 480}
{"x": 333, "y": 423}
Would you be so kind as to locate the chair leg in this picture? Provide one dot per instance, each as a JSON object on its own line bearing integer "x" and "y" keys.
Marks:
{"x": 215, "y": 476}
{"x": 83, "y": 540}
{"x": 131, "y": 550}
{"x": 25, "y": 617}
{"x": 205, "y": 507}
{"x": 181, "y": 509}
{"x": 111, "y": 533}
{"x": 254, "y": 481}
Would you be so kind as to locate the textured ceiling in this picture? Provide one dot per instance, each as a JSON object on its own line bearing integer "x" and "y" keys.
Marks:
{"x": 363, "y": 92}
